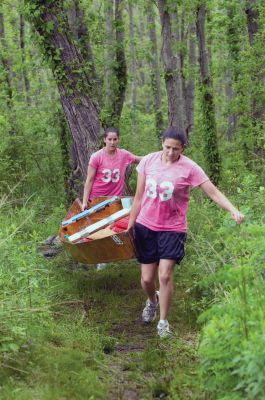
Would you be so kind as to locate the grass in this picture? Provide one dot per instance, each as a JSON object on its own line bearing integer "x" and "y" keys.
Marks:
{"x": 90, "y": 343}
{"x": 69, "y": 332}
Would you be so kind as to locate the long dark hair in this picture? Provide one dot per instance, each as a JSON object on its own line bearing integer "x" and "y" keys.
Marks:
{"x": 175, "y": 133}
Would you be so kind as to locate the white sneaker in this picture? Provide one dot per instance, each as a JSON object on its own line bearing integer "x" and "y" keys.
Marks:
{"x": 149, "y": 312}
{"x": 163, "y": 329}
{"x": 101, "y": 266}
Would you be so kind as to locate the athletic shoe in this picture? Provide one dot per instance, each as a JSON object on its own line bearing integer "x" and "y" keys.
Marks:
{"x": 149, "y": 312}
{"x": 163, "y": 329}
{"x": 101, "y": 266}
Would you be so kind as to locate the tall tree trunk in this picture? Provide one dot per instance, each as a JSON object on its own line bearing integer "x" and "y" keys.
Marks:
{"x": 189, "y": 85}
{"x": 87, "y": 52}
{"x": 23, "y": 56}
{"x": 230, "y": 96}
{"x": 155, "y": 72}
{"x": 258, "y": 76}
{"x": 109, "y": 55}
{"x": 141, "y": 34}
{"x": 116, "y": 65}
{"x": 252, "y": 20}
{"x": 133, "y": 67}
{"x": 64, "y": 136}
{"x": 76, "y": 18}
{"x": 67, "y": 64}
{"x": 179, "y": 37}
{"x": 233, "y": 32}
{"x": 5, "y": 62}
{"x": 211, "y": 151}
{"x": 175, "y": 116}
{"x": 120, "y": 68}
{"x": 187, "y": 50}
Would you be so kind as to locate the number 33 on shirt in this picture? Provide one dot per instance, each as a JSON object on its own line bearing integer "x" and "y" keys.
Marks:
{"x": 110, "y": 175}
{"x": 166, "y": 189}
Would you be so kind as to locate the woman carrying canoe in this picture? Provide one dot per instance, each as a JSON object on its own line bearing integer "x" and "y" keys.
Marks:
{"x": 106, "y": 169}
{"x": 159, "y": 218}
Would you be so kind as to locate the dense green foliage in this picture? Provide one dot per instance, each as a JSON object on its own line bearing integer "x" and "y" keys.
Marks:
{"x": 70, "y": 332}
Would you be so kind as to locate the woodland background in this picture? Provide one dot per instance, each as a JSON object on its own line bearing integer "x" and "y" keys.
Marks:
{"x": 67, "y": 70}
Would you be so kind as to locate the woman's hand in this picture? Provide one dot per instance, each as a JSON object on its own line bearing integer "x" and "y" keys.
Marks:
{"x": 237, "y": 216}
{"x": 84, "y": 206}
{"x": 219, "y": 198}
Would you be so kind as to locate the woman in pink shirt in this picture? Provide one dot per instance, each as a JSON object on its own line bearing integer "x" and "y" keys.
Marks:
{"x": 106, "y": 170}
{"x": 159, "y": 218}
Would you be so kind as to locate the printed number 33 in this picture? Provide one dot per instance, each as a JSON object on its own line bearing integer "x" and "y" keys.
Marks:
{"x": 166, "y": 186}
{"x": 113, "y": 176}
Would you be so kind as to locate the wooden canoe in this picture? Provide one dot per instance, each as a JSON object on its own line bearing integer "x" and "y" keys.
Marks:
{"x": 103, "y": 245}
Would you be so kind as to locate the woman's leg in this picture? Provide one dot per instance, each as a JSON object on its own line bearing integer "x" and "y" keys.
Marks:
{"x": 148, "y": 278}
{"x": 165, "y": 273}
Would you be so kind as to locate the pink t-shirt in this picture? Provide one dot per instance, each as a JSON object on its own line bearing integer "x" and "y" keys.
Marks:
{"x": 166, "y": 196}
{"x": 110, "y": 172}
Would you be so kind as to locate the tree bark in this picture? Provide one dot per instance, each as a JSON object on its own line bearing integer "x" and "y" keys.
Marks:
{"x": 141, "y": 34}
{"x": 116, "y": 66}
{"x": 155, "y": 72}
{"x": 258, "y": 77}
{"x": 252, "y": 20}
{"x": 81, "y": 34}
{"x": 133, "y": 67}
{"x": 175, "y": 116}
{"x": 211, "y": 151}
{"x": 187, "y": 46}
{"x": 233, "y": 32}
{"x": 190, "y": 86}
{"x": 81, "y": 111}
{"x": 120, "y": 68}
{"x": 64, "y": 136}
{"x": 23, "y": 56}
{"x": 6, "y": 63}
{"x": 109, "y": 54}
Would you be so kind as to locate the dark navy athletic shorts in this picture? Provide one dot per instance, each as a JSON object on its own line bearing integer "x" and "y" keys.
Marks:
{"x": 152, "y": 246}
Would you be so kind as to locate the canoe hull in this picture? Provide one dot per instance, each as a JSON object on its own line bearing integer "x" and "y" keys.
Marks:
{"x": 114, "y": 247}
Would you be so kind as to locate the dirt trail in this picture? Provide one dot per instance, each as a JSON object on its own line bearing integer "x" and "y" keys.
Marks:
{"x": 143, "y": 365}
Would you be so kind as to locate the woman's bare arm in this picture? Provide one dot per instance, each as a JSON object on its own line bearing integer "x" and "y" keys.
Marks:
{"x": 91, "y": 173}
{"x": 219, "y": 198}
{"x": 136, "y": 206}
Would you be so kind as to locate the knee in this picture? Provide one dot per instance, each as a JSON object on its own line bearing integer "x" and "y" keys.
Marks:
{"x": 165, "y": 279}
{"x": 146, "y": 280}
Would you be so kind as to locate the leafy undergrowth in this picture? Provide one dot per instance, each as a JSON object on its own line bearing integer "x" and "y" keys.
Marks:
{"x": 69, "y": 332}
{"x": 89, "y": 342}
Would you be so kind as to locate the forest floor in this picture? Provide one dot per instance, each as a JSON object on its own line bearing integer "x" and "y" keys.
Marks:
{"x": 90, "y": 343}
{"x": 139, "y": 364}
